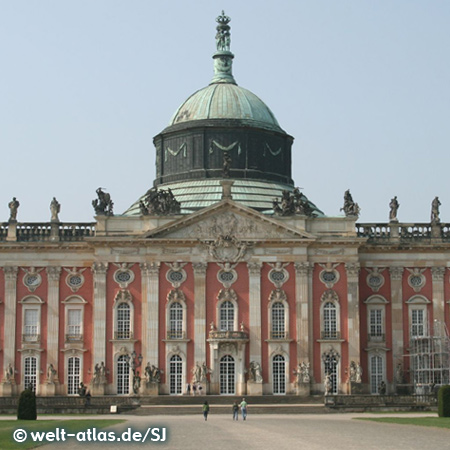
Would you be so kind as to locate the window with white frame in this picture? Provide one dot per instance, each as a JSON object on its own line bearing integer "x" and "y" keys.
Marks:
{"x": 73, "y": 375}
{"x": 74, "y": 324}
{"x": 376, "y": 373}
{"x": 329, "y": 328}
{"x": 176, "y": 375}
{"x": 175, "y": 330}
{"x": 123, "y": 321}
{"x": 279, "y": 375}
{"x": 30, "y": 372}
{"x": 226, "y": 312}
{"x": 418, "y": 319}
{"x": 31, "y": 325}
{"x": 376, "y": 313}
{"x": 123, "y": 376}
{"x": 278, "y": 322}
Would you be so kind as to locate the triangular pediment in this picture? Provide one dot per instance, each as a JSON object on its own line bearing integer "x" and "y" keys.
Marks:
{"x": 227, "y": 218}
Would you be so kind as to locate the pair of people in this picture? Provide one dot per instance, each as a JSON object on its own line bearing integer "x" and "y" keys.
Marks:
{"x": 243, "y": 406}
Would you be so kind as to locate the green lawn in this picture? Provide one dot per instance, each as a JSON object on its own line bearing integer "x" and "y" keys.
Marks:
{"x": 7, "y": 428}
{"x": 439, "y": 422}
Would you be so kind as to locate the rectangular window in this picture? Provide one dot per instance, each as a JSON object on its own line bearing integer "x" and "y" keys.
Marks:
{"x": 31, "y": 325}
{"x": 376, "y": 324}
{"x": 74, "y": 321}
{"x": 30, "y": 372}
{"x": 417, "y": 322}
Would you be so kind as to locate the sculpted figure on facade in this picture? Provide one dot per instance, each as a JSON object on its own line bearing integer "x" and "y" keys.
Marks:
{"x": 136, "y": 383}
{"x": 327, "y": 384}
{"x": 205, "y": 371}
{"x": 103, "y": 205}
{"x": 51, "y": 374}
{"x": 159, "y": 202}
{"x": 99, "y": 374}
{"x": 255, "y": 372}
{"x": 435, "y": 211}
{"x": 9, "y": 373}
{"x": 13, "y": 208}
{"x": 359, "y": 371}
{"x": 393, "y": 205}
{"x": 352, "y": 371}
{"x": 399, "y": 374}
{"x": 292, "y": 203}
{"x": 152, "y": 374}
{"x": 55, "y": 208}
{"x": 350, "y": 208}
{"x": 302, "y": 373}
{"x": 223, "y": 35}
{"x": 197, "y": 373}
{"x": 226, "y": 165}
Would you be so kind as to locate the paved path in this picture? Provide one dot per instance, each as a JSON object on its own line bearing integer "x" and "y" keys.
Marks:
{"x": 278, "y": 432}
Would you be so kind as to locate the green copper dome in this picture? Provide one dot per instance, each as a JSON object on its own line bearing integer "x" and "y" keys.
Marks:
{"x": 226, "y": 101}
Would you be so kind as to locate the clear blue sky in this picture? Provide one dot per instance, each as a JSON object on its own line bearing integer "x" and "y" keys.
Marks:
{"x": 363, "y": 86}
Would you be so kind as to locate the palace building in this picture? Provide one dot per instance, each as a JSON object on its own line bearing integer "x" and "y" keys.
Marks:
{"x": 224, "y": 276}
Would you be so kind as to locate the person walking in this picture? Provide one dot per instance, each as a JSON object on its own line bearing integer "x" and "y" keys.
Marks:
{"x": 205, "y": 410}
{"x": 243, "y": 406}
{"x": 235, "y": 411}
{"x": 188, "y": 389}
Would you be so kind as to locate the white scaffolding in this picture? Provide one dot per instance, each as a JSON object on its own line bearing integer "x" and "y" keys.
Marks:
{"x": 430, "y": 359}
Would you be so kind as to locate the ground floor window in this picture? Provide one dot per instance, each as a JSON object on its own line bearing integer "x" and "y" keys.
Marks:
{"x": 227, "y": 375}
{"x": 30, "y": 372}
{"x": 279, "y": 375}
{"x": 331, "y": 361}
{"x": 73, "y": 375}
{"x": 123, "y": 376}
{"x": 176, "y": 375}
{"x": 376, "y": 373}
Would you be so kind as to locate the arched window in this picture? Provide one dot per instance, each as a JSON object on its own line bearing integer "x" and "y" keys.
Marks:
{"x": 227, "y": 375}
{"x": 226, "y": 322}
{"x": 123, "y": 321}
{"x": 376, "y": 373}
{"x": 278, "y": 321}
{"x": 329, "y": 329}
{"x": 176, "y": 375}
{"x": 279, "y": 375}
{"x": 123, "y": 375}
{"x": 30, "y": 372}
{"x": 175, "y": 321}
{"x": 73, "y": 375}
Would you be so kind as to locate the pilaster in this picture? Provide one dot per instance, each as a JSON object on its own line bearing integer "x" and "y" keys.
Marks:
{"x": 302, "y": 310}
{"x": 397, "y": 314}
{"x": 353, "y": 311}
{"x": 437, "y": 275}
{"x": 9, "y": 339}
{"x": 53, "y": 274}
{"x": 150, "y": 312}
{"x": 200, "y": 311}
{"x": 254, "y": 326}
{"x": 99, "y": 333}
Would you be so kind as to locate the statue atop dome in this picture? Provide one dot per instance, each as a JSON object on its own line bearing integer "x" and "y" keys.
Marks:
{"x": 223, "y": 36}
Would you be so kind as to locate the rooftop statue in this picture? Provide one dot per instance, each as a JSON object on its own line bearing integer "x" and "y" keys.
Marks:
{"x": 435, "y": 211}
{"x": 55, "y": 208}
{"x": 226, "y": 165}
{"x": 159, "y": 202}
{"x": 350, "y": 208}
{"x": 293, "y": 203}
{"x": 103, "y": 205}
{"x": 13, "y": 207}
{"x": 223, "y": 36}
{"x": 393, "y": 205}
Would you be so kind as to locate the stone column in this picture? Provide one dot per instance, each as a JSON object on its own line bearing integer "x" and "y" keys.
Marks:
{"x": 437, "y": 274}
{"x": 53, "y": 274}
{"x": 9, "y": 325}
{"x": 302, "y": 303}
{"x": 397, "y": 314}
{"x": 254, "y": 326}
{"x": 353, "y": 311}
{"x": 200, "y": 312}
{"x": 150, "y": 312}
{"x": 99, "y": 332}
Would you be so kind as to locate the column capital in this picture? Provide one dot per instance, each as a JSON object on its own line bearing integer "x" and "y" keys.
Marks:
{"x": 438, "y": 273}
{"x": 53, "y": 273}
{"x": 200, "y": 268}
{"x": 99, "y": 268}
{"x": 396, "y": 273}
{"x": 353, "y": 269}
{"x": 254, "y": 268}
{"x": 150, "y": 268}
{"x": 303, "y": 268}
{"x": 10, "y": 272}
